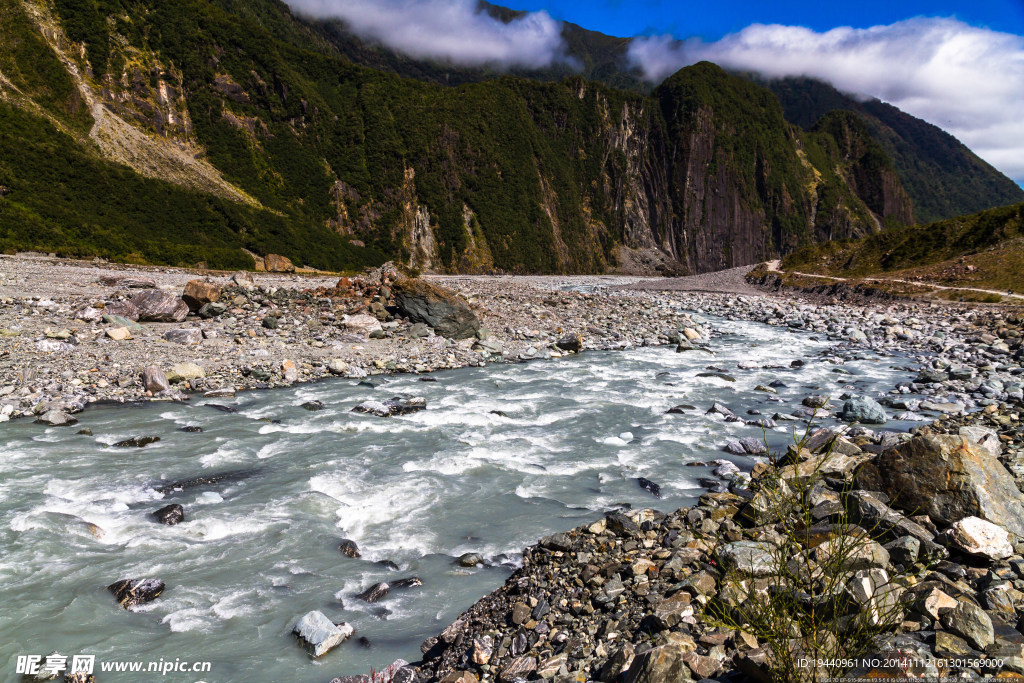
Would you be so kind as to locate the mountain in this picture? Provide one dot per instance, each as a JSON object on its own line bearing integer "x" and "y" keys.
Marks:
{"x": 196, "y": 130}
{"x": 942, "y": 176}
{"x": 982, "y": 250}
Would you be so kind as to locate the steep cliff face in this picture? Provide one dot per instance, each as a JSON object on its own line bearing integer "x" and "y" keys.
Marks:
{"x": 508, "y": 174}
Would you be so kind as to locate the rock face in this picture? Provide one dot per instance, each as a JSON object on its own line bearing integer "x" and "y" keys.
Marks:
{"x": 424, "y": 302}
{"x": 275, "y": 263}
{"x": 319, "y": 634}
{"x": 160, "y": 307}
{"x": 131, "y": 592}
{"x": 948, "y": 479}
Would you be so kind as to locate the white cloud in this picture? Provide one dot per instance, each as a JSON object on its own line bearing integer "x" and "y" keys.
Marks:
{"x": 964, "y": 79}
{"x": 447, "y": 30}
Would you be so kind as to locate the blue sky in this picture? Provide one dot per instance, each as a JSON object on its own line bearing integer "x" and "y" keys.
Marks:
{"x": 712, "y": 20}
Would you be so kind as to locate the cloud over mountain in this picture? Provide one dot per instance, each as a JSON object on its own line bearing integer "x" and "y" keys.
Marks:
{"x": 964, "y": 79}
{"x": 449, "y": 30}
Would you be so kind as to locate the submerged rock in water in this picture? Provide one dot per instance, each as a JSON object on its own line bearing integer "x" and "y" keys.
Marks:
{"x": 222, "y": 408}
{"x": 470, "y": 560}
{"x": 170, "y": 514}
{"x": 313, "y": 406}
{"x": 131, "y": 592}
{"x": 648, "y": 485}
{"x": 408, "y": 582}
{"x": 349, "y": 548}
{"x": 191, "y": 429}
{"x": 375, "y": 593}
{"x": 56, "y": 418}
{"x": 391, "y": 406}
{"x": 319, "y": 634}
{"x": 136, "y": 442}
{"x": 208, "y": 480}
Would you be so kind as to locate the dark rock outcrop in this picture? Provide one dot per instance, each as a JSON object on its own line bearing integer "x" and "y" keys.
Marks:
{"x": 131, "y": 592}
{"x": 436, "y": 306}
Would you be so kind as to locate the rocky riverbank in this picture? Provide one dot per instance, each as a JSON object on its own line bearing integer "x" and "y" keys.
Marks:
{"x": 638, "y": 595}
{"x": 72, "y": 333}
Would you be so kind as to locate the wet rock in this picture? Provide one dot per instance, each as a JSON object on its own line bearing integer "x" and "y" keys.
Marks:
{"x": 313, "y": 406}
{"x": 230, "y": 476}
{"x": 391, "y": 407}
{"x": 170, "y": 514}
{"x": 752, "y": 446}
{"x": 221, "y": 408}
{"x": 154, "y": 379}
{"x": 191, "y": 429}
{"x": 375, "y": 593}
{"x": 131, "y": 592}
{"x": 190, "y": 335}
{"x": 975, "y": 536}
{"x": 56, "y": 418}
{"x": 949, "y": 479}
{"x": 470, "y": 560}
{"x": 446, "y": 313}
{"x": 137, "y": 442}
{"x": 349, "y": 548}
{"x": 319, "y": 634}
{"x": 199, "y": 293}
{"x": 572, "y": 342}
{"x": 162, "y": 307}
{"x": 408, "y": 582}
{"x": 863, "y": 410}
{"x": 648, "y": 485}
{"x": 275, "y": 263}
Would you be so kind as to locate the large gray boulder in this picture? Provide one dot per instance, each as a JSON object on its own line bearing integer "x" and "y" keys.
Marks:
{"x": 440, "y": 308}
{"x": 864, "y": 410}
{"x": 160, "y": 307}
{"x": 949, "y": 478}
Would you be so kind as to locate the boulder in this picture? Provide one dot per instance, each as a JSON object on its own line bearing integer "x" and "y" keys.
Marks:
{"x": 659, "y": 665}
{"x": 212, "y": 310}
{"x": 56, "y": 418}
{"x": 361, "y": 323}
{"x": 183, "y": 372}
{"x": 161, "y": 307}
{"x": 131, "y": 592}
{"x": 864, "y": 410}
{"x": 349, "y": 548}
{"x": 470, "y": 560}
{"x": 137, "y": 442}
{"x": 154, "y": 379}
{"x": 187, "y": 336}
{"x": 971, "y": 623}
{"x": 748, "y": 557}
{"x": 170, "y": 514}
{"x": 122, "y": 309}
{"x": 336, "y": 366}
{"x": 275, "y": 263}
{"x": 118, "y": 333}
{"x": 442, "y": 309}
{"x": 975, "y": 536}
{"x": 375, "y": 593}
{"x": 200, "y": 292}
{"x": 319, "y": 634}
{"x": 243, "y": 279}
{"x": 289, "y": 371}
{"x": 948, "y": 478}
{"x": 572, "y": 342}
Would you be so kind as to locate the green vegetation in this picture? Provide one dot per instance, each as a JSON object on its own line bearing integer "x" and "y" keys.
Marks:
{"x": 983, "y": 250}
{"x": 942, "y": 176}
{"x": 59, "y": 198}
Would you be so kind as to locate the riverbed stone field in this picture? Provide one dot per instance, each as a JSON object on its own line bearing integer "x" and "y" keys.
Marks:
{"x": 633, "y": 429}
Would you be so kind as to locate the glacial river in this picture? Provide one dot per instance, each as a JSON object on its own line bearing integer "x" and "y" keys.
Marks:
{"x": 501, "y": 456}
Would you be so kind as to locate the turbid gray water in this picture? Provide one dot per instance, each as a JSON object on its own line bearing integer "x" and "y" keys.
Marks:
{"x": 502, "y": 455}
